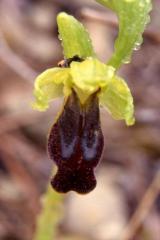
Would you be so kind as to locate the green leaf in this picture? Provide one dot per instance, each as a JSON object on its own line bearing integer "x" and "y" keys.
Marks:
{"x": 117, "y": 98}
{"x": 75, "y": 38}
{"x": 133, "y": 16}
{"x": 89, "y": 76}
{"x": 48, "y": 86}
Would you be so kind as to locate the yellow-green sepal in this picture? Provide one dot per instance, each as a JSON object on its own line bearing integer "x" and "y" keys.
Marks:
{"x": 89, "y": 76}
{"x": 117, "y": 98}
{"x": 75, "y": 38}
{"x": 48, "y": 86}
{"x": 133, "y": 16}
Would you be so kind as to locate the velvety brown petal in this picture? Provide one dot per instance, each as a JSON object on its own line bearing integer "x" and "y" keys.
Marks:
{"x": 75, "y": 144}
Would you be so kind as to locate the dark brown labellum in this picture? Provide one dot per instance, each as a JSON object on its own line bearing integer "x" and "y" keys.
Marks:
{"x": 75, "y": 144}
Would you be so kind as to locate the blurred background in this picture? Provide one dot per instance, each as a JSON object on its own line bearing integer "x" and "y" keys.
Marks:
{"x": 126, "y": 203}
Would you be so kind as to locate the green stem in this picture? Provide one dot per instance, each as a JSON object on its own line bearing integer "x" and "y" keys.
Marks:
{"x": 49, "y": 216}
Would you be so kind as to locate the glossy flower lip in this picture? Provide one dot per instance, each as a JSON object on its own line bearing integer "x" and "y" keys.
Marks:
{"x": 75, "y": 145}
{"x": 85, "y": 78}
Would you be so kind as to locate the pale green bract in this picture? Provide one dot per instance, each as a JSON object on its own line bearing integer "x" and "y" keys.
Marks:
{"x": 86, "y": 77}
{"x": 133, "y": 15}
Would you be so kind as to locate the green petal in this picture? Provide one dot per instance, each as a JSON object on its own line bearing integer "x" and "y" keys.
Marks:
{"x": 89, "y": 76}
{"x": 48, "y": 86}
{"x": 117, "y": 98}
{"x": 75, "y": 38}
{"x": 133, "y": 16}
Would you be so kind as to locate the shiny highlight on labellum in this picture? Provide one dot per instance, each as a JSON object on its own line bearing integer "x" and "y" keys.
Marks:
{"x": 75, "y": 144}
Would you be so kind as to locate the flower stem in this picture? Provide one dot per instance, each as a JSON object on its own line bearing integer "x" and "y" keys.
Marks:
{"x": 50, "y": 215}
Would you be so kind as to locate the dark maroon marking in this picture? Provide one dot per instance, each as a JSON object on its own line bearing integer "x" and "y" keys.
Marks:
{"x": 75, "y": 144}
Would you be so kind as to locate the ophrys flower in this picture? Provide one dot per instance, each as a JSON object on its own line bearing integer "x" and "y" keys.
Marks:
{"x": 75, "y": 142}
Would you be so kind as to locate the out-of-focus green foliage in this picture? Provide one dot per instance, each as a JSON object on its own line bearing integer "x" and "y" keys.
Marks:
{"x": 49, "y": 216}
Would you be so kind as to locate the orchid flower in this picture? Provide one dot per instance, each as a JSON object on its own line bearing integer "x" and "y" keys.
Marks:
{"x": 75, "y": 141}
